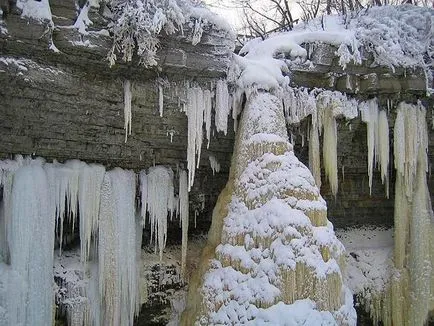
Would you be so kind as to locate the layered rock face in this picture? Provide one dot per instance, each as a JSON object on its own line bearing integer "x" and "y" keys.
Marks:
{"x": 70, "y": 104}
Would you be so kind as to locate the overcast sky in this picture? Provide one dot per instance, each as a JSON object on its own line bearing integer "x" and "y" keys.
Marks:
{"x": 226, "y": 9}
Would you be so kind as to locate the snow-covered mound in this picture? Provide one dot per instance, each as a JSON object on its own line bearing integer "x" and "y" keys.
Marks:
{"x": 271, "y": 250}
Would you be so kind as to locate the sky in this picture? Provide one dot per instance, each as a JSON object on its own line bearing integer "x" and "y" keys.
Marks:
{"x": 226, "y": 9}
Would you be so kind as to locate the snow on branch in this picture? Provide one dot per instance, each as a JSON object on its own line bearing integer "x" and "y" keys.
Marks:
{"x": 137, "y": 25}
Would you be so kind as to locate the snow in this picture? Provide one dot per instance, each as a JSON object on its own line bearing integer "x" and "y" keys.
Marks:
{"x": 369, "y": 259}
{"x": 394, "y": 35}
{"x": 20, "y": 64}
{"x": 39, "y": 10}
{"x": 369, "y": 262}
{"x": 137, "y": 25}
{"x": 208, "y": 17}
{"x": 301, "y": 312}
{"x": 83, "y": 20}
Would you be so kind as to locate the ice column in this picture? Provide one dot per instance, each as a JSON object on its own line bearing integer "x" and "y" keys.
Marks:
{"x": 118, "y": 249}
{"x": 184, "y": 216}
{"x": 412, "y": 284}
{"x": 30, "y": 300}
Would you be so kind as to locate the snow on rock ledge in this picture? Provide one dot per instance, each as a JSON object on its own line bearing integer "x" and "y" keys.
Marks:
{"x": 395, "y": 36}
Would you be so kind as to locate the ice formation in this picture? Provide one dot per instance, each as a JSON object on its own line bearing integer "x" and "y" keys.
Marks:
{"x": 215, "y": 165}
{"x": 222, "y": 107}
{"x": 160, "y": 201}
{"x": 270, "y": 246}
{"x": 207, "y": 113}
{"x": 378, "y": 140}
{"x": 160, "y": 99}
{"x": 31, "y": 273}
{"x": 324, "y": 107}
{"x": 195, "y": 114}
{"x": 37, "y": 197}
{"x": 118, "y": 250}
{"x": 184, "y": 217}
{"x": 404, "y": 293}
{"x": 127, "y": 108}
{"x": 412, "y": 285}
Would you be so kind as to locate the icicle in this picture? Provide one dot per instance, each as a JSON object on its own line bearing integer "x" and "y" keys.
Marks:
{"x": 207, "y": 114}
{"x": 195, "y": 107}
{"x": 378, "y": 141}
{"x": 314, "y": 157}
{"x": 330, "y": 150}
{"x": 118, "y": 242}
{"x": 170, "y": 133}
{"x": 63, "y": 184}
{"x": 222, "y": 107}
{"x": 215, "y": 165}
{"x": 127, "y": 108}
{"x": 160, "y": 201}
{"x": 183, "y": 214}
{"x": 199, "y": 122}
{"x": 343, "y": 172}
{"x": 383, "y": 149}
{"x": 370, "y": 117}
{"x": 30, "y": 300}
{"x": 90, "y": 181}
{"x": 160, "y": 99}
{"x": 143, "y": 195}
